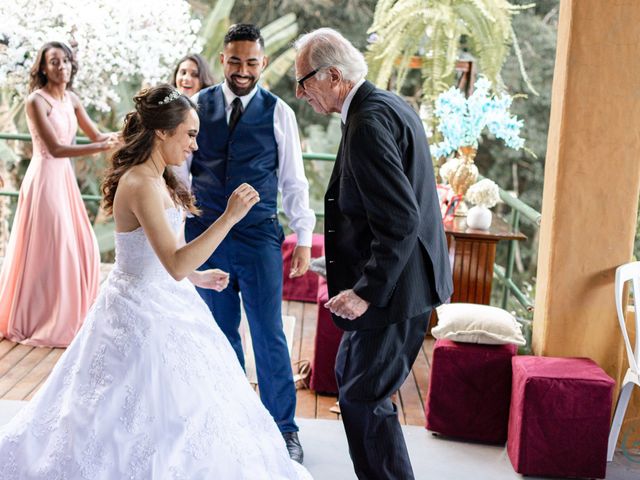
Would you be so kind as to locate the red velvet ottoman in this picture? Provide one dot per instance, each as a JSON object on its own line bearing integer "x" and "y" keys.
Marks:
{"x": 304, "y": 288}
{"x": 559, "y": 420}
{"x": 469, "y": 391}
{"x": 323, "y": 376}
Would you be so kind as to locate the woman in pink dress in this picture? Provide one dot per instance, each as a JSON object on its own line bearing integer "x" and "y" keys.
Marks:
{"x": 50, "y": 274}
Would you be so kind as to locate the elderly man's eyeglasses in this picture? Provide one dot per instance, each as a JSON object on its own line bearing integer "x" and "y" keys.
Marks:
{"x": 307, "y": 77}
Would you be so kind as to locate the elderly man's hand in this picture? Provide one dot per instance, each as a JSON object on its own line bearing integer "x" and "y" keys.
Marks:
{"x": 347, "y": 304}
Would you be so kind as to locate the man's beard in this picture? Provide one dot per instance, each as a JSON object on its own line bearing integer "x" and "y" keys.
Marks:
{"x": 238, "y": 90}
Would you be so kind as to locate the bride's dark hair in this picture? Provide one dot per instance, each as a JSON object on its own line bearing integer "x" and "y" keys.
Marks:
{"x": 157, "y": 108}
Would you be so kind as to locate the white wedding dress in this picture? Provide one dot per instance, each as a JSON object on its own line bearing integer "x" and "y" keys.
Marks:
{"x": 150, "y": 388}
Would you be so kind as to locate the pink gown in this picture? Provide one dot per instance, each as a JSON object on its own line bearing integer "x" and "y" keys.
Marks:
{"x": 51, "y": 271}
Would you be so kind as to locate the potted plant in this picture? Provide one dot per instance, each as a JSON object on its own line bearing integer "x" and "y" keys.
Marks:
{"x": 432, "y": 35}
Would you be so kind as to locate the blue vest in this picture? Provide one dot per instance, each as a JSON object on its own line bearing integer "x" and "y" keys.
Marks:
{"x": 222, "y": 161}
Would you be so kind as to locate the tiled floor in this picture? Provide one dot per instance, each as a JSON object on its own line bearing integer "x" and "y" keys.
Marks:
{"x": 326, "y": 454}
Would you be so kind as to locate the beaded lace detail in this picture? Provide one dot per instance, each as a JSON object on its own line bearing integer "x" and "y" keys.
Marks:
{"x": 150, "y": 388}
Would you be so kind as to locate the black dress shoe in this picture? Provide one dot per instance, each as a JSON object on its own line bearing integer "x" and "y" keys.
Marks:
{"x": 293, "y": 446}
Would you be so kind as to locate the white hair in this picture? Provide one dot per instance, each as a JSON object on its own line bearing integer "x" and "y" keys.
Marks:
{"x": 328, "y": 48}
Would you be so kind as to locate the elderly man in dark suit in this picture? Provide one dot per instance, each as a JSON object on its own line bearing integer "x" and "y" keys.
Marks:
{"x": 387, "y": 262}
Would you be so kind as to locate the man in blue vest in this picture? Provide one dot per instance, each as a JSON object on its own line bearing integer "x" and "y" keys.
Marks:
{"x": 249, "y": 135}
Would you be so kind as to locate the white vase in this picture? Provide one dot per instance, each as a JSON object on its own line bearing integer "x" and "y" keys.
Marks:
{"x": 479, "y": 218}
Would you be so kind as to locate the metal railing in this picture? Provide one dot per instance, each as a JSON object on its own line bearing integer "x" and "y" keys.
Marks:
{"x": 25, "y": 137}
{"x": 504, "y": 275}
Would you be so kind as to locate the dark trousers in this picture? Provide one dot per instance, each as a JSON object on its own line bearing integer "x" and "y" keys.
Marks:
{"x": 253, "y": 258}
{"x": 370, "y": 366}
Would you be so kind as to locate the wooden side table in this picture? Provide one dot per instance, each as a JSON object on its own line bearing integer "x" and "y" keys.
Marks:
{"x": 472, "y": 254}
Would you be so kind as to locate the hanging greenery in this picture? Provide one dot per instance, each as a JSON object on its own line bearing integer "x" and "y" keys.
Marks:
{"x": 429, "y": 33}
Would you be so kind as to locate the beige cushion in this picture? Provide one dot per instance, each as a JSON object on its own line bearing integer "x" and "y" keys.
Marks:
{"x": 472, "y": 323}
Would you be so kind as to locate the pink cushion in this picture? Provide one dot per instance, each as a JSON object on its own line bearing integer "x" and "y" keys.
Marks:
{"x": 323, "y": 377}
{"x": 304, "y": 288}
{"x": 469, "y": 391}
{"x": 559, "y": 420}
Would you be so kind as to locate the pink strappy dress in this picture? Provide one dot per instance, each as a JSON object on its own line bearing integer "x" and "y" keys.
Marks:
{"x": 51, "y": 271}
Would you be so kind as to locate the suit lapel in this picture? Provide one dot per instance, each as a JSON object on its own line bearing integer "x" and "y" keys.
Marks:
{"x": 356, "y": 102}
{"x": 337, "y": 166}
{"x": 363, "y": 92}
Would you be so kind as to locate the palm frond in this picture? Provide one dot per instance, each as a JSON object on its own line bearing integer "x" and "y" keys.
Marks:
{"x": 278, "y": 24}
{"x": 523, "y": 71}
{"x": 432, "y": 29}
{"x": 278, "y": 68}
{"x": 214, "y": 28}
{"x": 483, "y": 7}
{"x": 403, "y": 69}
{"x": 380, "y": 13}
{"x": 490, "y": 40}
{"x": 279, "y": 33}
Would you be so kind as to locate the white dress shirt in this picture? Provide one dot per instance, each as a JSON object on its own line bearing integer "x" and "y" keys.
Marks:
{"x": 292, "y": 182}
{"x": 347, "y": 101}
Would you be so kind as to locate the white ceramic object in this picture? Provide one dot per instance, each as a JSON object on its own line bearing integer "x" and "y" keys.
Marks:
{"x": 479, "y": 218}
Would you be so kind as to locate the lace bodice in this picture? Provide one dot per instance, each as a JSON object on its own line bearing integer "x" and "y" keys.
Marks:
{"x": 136, "y": 257}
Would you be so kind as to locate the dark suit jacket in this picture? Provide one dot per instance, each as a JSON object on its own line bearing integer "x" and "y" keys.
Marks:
{"x": 383, "y": 228}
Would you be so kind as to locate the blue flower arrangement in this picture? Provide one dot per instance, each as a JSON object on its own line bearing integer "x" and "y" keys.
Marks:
{"x": 461, "y": 120}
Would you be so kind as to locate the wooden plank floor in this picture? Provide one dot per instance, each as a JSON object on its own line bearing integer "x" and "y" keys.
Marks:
{"x": 23, "y": 369}
{"x": 410, "y": 398}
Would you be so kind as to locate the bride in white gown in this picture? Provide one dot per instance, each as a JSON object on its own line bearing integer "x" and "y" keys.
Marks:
{"x": 150, "y": 387}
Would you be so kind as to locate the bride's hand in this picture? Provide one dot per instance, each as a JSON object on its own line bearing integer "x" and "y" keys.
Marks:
{"x": 215, "y": 279}
{"x": 240, "y": 202}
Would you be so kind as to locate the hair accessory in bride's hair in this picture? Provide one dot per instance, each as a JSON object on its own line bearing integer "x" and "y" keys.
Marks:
{"x": 169, "y": 98}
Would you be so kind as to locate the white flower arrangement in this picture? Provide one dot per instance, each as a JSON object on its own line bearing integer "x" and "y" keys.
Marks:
{"x": 485, "y": 193}
{"x": 112, "y": 40}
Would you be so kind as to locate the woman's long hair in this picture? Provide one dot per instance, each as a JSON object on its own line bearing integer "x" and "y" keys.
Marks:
{"x": 139, "y": 137}
{"x": 37, "y": 78}
{"x": 204, "y": 72}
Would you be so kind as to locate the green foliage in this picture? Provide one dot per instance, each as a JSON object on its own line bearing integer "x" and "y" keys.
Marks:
{"x": 213, "y": 31}
{"x": 7, "y": 156}
{"x": 320, "y": 139}
{"x": 277, "y": 35}
{"x": 519, "y": 171}
{"x": 432, "y": 31}
{"x": 278, "y": 68}
{"x": 323, "y": 140}
{"x": 105, "y": 237}
{"x": 494, "y": 159}
{"x": 350, "y": 17}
